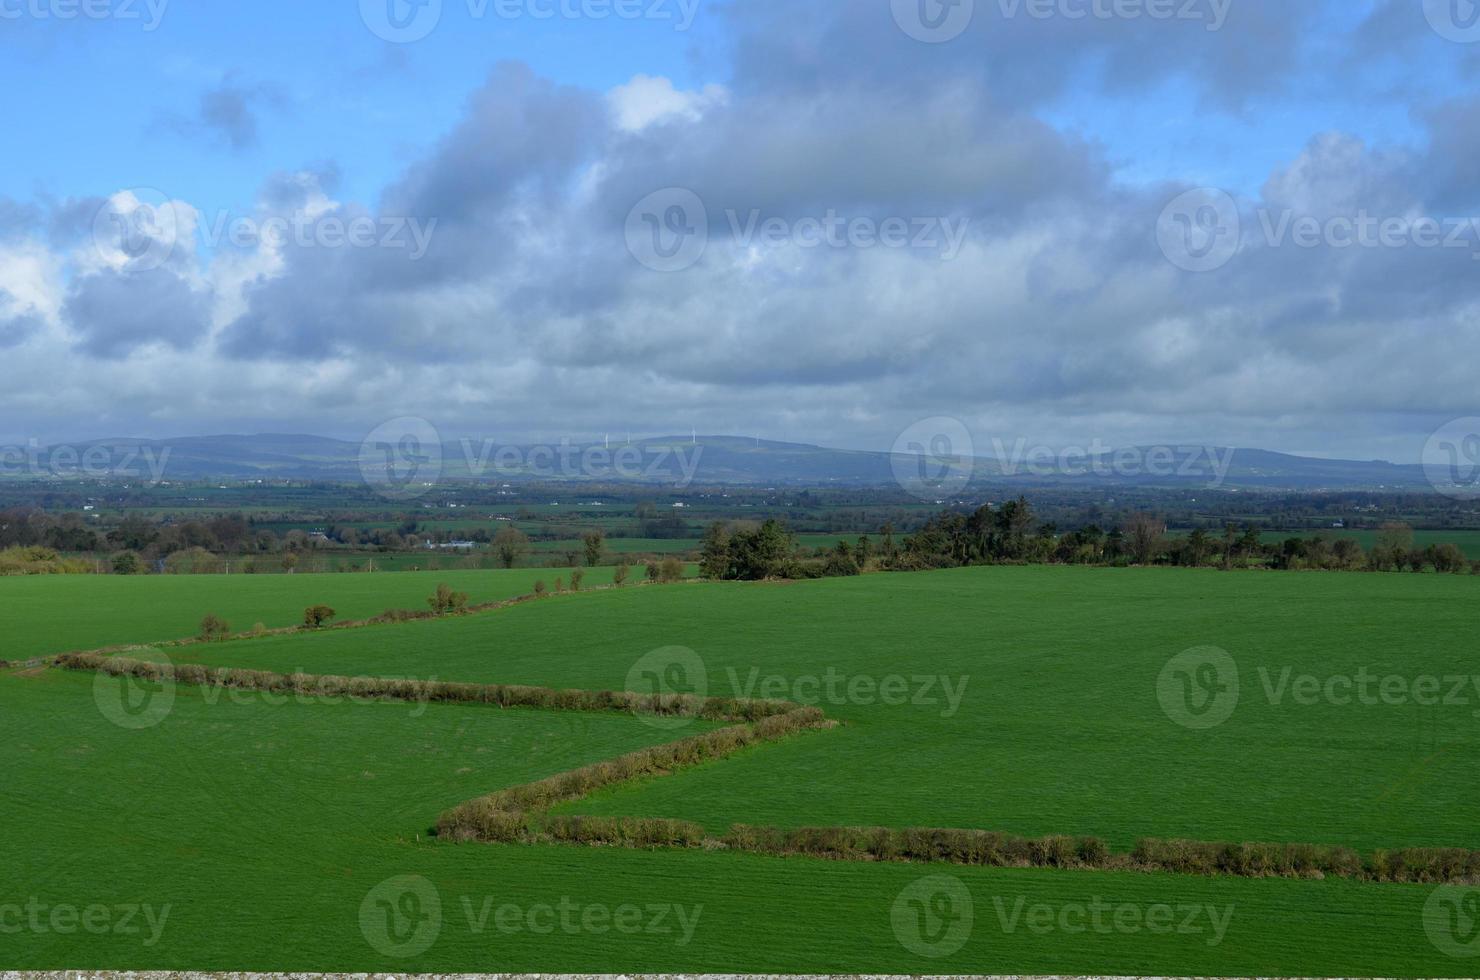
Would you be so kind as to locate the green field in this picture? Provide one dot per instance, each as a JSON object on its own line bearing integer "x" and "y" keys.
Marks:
{"x": 52, "y": 614}
{"x": 266, "y": 826}
{"x": 1060, "y": 717}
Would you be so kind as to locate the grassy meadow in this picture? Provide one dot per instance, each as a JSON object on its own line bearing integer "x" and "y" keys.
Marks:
{"x": 45, "y": 614}
{"x": 254, "y": 819}
{"x": 1059, "y": 718}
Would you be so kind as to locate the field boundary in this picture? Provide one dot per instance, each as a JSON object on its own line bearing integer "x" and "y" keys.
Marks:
{"x": 390, "y": 617}
{"x": 439, "y": 692}
{"x": 521, "y": 814}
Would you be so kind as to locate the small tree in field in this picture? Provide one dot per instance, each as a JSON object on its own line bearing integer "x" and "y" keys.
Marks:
{"x": 559, "y": 585}
{"x": 510, "y": 544}
{"x": 670, "y": 571}
{"x": 1143, "y": 535}
{"x": 595, "y": 542}
{"x": 576, "y": 576}
{"x": 714, "y": 557}
{"x": 214, "y": 629}
{"x": 539, "y": 587}
{"x": 652, "y": 571}
{"x": 316, "y": 616}
{"x": 447, "y": 601}
{"x": 619, "y": 577}
{"x": 127, "y": 563}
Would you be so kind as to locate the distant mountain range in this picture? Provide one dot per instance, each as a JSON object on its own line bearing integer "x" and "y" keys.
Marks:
{"x": 402, "y": 457}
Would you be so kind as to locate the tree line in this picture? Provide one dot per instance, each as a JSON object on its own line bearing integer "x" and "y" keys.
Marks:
{"x": 1011, "y": 534}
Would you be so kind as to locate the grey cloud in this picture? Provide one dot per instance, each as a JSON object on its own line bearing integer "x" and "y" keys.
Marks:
{"x": 115, "y": 313}
{"x": 787, "y": 47}
{"x": 228, "y": 112}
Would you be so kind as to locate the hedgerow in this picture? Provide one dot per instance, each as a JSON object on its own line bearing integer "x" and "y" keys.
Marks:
{"x": 500, "y": 695}
{"x": 481, "y": 819}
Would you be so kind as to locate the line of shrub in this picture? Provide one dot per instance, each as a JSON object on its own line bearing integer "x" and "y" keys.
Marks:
{"x": 927, "y": 844}
{"x": 488, "y": 817}
{"x": 991, "y": 849}
{"x": 1248, "y": 860}
{"x": 643, "y": 832}
{"x": 376, "y": 688}
{"x": 1413, "y": 864}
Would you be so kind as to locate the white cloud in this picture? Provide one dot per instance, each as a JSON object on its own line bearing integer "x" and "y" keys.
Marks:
{"x": 646, "y": 100}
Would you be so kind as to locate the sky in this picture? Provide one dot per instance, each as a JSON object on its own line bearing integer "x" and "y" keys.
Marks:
{"x": 1071, "y": 222}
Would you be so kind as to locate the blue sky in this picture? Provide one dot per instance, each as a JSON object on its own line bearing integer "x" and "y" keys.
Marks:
{"x": 1057, "y": 136}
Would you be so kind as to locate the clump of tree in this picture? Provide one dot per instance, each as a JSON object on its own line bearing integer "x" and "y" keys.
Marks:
{"x": 38, "y": 560}
{"x": 127, "y": 563}
{"x": 213, "y": 629}
{"x": 316, "y": 616}
{"x": 746, "y": 553}
{"x": 576, "y": 577}
{"x": 595, "y": 544}
{"x": 446, "y": 601}
{"x": 510, "y": 545}
{"x": 619, "y": 577}
{"x": 1144, "y": 536}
